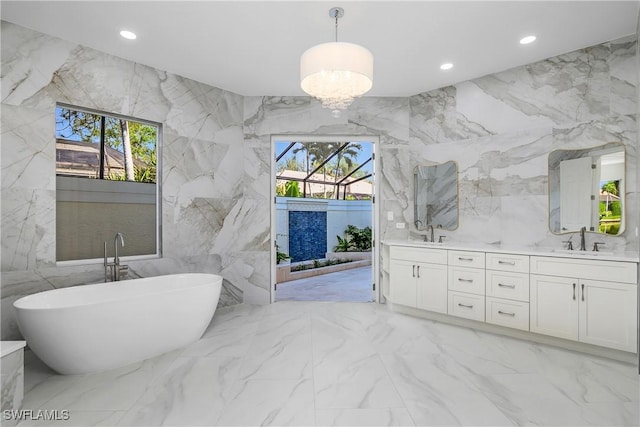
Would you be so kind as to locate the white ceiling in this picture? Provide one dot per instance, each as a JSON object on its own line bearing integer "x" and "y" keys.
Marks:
{"x": 254, "y": 48}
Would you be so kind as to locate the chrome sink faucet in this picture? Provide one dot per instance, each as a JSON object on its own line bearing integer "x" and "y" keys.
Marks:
{"x": 117, "y": 271}
{"x": 583, "y": 244}
{"x": 569, "y": 243}
{"x": 426, "y": 237}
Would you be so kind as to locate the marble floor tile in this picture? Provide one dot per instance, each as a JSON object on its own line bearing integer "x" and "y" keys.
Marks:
{"x": 403, "y": 334}
{"x": 280, "y": 348}
{"x": 279, "y": 357}
{"x": 270, "y": 403}
{"x": 361, "y": 383}
{"x": 364, "y": 417}
{"x": 437, "y": 391}
{"x": 351, "y": 364}
{"x": 589, "y": 379}
{"x": 192, "y": 392}
{"x": 113, "y": 390}
{"x": 226, "y": 342}
{"x": 530, "y": 399}
{"x": 78, "y": 419}
{"x": 242, "y": 318}
{"x": 611, "y": 414}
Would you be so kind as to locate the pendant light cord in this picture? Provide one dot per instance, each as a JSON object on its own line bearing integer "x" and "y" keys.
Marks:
{"x": 336, "y": 13}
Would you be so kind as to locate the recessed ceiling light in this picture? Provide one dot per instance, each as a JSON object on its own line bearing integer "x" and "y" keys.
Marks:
{"x": 527, "y": 40}
{"x": 129, "y": 35}
{"x": 446, "y": 66}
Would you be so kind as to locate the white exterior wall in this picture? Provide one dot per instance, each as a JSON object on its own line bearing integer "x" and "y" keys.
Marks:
{"x": 340, "y": 213}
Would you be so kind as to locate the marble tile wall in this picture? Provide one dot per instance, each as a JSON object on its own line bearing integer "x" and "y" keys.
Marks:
{"x": 12, "y": 389}
{"x": 216, "y": 154}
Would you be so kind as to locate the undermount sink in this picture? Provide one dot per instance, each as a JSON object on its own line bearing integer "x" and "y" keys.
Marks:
{"x": 582, "y": 253}
{"x": 423, "y": 243}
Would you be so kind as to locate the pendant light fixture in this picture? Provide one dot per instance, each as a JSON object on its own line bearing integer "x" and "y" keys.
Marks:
{"x": 336, "y": 72}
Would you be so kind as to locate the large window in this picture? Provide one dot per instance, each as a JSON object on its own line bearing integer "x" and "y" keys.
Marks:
{"x": 106, "y": 167}
{"x": 92, "y": 145}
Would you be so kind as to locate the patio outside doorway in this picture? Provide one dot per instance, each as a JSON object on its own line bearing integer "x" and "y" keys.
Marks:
{"x": 323, "y": 219}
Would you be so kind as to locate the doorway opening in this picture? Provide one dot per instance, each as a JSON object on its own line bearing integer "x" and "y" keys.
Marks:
{"x": 323, "y": 219}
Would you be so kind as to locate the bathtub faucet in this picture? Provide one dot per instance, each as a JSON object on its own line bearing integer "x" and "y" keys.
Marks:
{"x": 114, "y": 270}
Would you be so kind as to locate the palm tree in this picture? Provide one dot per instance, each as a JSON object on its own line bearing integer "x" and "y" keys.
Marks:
{"x": 290, "y": 163}
{"x": 126, "y": 149}
{"x": 319, "y": 152}
{"x": 304, "y": 146}
{"x": 345, "y": 159}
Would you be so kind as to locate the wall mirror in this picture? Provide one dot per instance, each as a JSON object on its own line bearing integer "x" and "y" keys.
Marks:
{"x": 587, "y": 189}
{"x": 436, "y": 196}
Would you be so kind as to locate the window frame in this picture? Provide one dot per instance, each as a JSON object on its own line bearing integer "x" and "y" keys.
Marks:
{"x": 158, "y": 184}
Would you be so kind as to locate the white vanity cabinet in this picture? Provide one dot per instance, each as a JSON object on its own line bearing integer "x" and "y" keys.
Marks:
{"x": 466, "y": 284}
{"x": 590, "y": 301}
{"x": 419, "y": 278}
{"x": 507, "y": 282}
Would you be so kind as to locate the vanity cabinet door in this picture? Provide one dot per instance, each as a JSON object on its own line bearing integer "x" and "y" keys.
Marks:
{"x": 554, "y": 306}
{"x": 432, "y": 287}
{"x": 403, "y": 282}
{"x": 608, "y": 314}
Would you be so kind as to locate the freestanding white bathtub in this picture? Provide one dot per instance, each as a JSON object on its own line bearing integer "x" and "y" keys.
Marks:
{"x": 90, "y": 328}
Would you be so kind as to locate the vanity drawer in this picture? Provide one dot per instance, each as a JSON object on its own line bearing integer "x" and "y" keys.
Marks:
{"x": 611, "y": 271}
{"x": 466, "y": 305}
{"x": 433, "y": 256}
{"x": 512, "y": 314}
{"x": 469, "y": 280}
{"x": 502, "y": 284}
{"x": 508, "y": 262}
{"x": 466, "y": 259}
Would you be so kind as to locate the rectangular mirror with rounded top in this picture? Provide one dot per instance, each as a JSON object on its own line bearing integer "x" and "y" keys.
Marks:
{"x": 436, "y": 196}
{"x": 587, "y": 189}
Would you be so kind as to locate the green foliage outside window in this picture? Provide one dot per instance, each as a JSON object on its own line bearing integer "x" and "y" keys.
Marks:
{"x": 130, "y": 147}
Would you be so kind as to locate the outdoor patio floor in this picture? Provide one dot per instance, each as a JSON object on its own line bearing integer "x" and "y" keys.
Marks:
{"x": 354, "y": 285}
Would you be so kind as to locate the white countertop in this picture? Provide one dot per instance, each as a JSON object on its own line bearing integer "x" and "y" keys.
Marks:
{"x": 8, "y": 347}
{"x": 575, "y": 254}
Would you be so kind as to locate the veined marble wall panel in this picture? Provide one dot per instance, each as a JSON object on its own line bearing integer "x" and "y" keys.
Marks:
{"x": 21, "y": 80}
{"x": 202, "y": 167}
{"x": 623, "y": 68}
{"x": 27, "y": 218}
{"x": 28, "y": 148}
{"x": 573, "y": 87}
